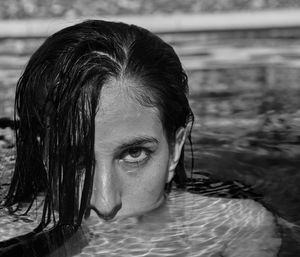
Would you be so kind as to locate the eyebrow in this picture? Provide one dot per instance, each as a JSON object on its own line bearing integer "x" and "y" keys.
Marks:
{"x": 137, "y": 141}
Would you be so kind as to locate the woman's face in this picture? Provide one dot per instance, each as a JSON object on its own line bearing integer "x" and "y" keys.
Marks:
{"x": 133, "y": 158}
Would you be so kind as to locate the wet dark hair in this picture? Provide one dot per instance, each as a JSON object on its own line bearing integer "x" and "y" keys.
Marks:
{"x": 56, "y": 103}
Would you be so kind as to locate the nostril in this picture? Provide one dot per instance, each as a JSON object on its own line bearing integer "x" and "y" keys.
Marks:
{"x": 108, "y": 215}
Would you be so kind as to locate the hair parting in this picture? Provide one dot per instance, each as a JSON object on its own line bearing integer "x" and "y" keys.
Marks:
{"x": 57, "y": 99}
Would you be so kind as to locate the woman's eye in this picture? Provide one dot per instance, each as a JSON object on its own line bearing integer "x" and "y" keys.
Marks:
{"x": 135, "y": 155}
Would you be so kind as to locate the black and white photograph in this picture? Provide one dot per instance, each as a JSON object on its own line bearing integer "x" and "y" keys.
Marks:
{"x": 149, "y": 128}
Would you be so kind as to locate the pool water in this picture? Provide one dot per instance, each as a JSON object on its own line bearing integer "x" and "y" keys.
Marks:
{"x": 246, "y": 138}
{"x": 188, "y": 225}
{"x": 16, "y": 224}
{"x": 207, "y": 222}
{"x": 255, "y": 214}
{"x": 216, "y": 219}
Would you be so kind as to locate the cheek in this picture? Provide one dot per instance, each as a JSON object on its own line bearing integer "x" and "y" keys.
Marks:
{"x": 159, "y": 176}
{"x": 153, "y": 178}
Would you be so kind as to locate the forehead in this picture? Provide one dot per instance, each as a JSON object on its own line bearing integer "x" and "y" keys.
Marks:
{"x": 120, "y": 115}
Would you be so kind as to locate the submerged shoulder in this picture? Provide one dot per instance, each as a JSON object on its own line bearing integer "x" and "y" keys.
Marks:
{"x": 237, "y": 226}
{"x": 236, "y": 212}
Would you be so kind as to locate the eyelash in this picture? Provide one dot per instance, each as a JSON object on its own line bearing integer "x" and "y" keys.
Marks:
{"x": 144, "y": 150}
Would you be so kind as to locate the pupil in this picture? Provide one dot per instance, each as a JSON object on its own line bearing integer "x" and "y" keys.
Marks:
{"x": 135, "y": 152}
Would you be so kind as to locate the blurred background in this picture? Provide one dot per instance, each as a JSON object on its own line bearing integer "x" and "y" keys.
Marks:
{"x": 242, "y": 56}
{"x": 243, "y": 62}
{"x": 21, "y": 9}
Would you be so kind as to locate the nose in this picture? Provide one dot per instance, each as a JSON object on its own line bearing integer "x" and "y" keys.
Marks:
{"x": 106, "y": 216}
{"x": 106, "y": 195}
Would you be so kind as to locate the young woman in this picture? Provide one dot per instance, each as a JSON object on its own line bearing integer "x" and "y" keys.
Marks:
{"x": 103, "y": 118}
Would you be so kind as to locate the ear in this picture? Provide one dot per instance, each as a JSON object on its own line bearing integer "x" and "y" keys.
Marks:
{"x": 176, "y": 151}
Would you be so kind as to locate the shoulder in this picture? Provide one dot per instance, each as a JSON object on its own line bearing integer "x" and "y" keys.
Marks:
{"x": 235, "y": 212}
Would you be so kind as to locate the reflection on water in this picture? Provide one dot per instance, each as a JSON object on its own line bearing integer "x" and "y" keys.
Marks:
{"x": 251, "y": 136}
{"x": 188, "y": 225}
{"x": 16, "y": 224}
{"x": 247, "y": 129}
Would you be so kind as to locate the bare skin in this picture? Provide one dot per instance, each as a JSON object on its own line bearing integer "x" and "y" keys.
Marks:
{"x": 133, "y": 158}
